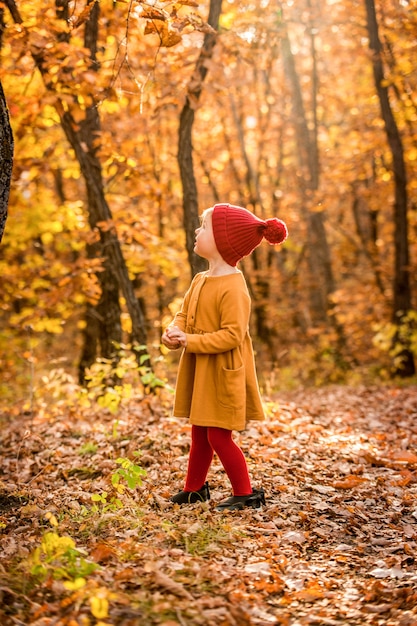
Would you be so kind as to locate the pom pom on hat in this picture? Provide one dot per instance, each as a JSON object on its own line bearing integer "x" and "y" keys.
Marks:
{"x": 275, "y": 231}
{"x": 237, "y": 231}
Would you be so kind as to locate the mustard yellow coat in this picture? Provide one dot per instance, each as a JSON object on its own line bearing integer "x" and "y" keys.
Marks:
{"x": 217, "y": 383}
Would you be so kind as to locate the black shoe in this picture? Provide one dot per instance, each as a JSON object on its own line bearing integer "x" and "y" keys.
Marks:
{"x": 188, "y": 497}
{"x": 237, "y": 503}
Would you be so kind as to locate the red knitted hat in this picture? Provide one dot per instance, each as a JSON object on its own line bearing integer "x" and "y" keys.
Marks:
{"x": 237, "y": 231}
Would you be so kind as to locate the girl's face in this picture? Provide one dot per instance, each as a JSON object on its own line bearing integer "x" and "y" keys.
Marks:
{"x": 205, "y": 246}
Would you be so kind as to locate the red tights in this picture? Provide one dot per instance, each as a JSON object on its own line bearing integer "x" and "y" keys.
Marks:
{"x": 205, "y": 440}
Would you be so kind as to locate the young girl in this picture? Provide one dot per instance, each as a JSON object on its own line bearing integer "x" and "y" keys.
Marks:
{"x": 217, "y": 387}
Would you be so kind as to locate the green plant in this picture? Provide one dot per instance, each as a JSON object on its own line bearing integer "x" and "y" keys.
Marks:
{"x": 88, "y": 448}
{"x": 59, "y": 558}
{"x": 113, "y": 504}
{"x": 147, "y": 376}
{"x": 114, "y": 429}
{"x": 128, "y": 471}
{"x": 110, "y": 382}
{"x": 105, "y": 383}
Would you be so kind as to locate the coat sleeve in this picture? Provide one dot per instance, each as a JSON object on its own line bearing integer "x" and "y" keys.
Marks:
{"x": 234, "y": 308}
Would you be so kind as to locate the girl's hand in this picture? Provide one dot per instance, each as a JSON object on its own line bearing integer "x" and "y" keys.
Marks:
{"x": 176, "y": 336}
{"x": 170, "y": 343}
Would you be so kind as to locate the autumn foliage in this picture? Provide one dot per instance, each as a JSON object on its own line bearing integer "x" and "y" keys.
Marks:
{"x": 287, "y": 122}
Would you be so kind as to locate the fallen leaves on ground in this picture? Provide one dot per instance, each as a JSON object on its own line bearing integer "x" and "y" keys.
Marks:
{"x": 335, "y": 544}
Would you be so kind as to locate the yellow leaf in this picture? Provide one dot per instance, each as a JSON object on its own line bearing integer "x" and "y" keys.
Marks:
{"x": 47, "y": 238}
{"x": 75, "y": 585}
{"x": 50, "y": 517}
{"x": 99, "y": 607}
{"x": 48, "y": 325}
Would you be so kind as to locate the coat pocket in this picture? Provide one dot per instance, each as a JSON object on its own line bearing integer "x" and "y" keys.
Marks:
{"x": 232, "y": 387}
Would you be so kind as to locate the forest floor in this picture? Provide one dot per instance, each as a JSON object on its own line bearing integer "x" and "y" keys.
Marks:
{"x": 335, "y": 544}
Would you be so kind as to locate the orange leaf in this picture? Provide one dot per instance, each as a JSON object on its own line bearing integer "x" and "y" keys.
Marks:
{"x": 349, "y": 482}
{"x": 152, "y": 13}
{"x": 102, "y": 552}
{"x": 407, "y": 477}
{"x": 403, "y": 456}
{"x": 312, "y": 592}
{"x": 83, "y": 16}
{"x": 128, "y": 573}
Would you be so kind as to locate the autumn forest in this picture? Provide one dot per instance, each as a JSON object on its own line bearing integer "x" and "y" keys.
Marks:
{"x": 122, "y": 120}
{"x": 130, "y": 118}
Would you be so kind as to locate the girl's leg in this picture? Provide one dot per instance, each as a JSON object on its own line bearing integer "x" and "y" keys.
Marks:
{"x": 232, "y": 459}
{"x": 199, "y": 460}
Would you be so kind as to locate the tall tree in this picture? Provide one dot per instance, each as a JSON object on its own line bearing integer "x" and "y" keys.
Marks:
{"x": 6, "y": 148}
{"x": 6, "y": 160}
{"x": 401, "y": 306}
{"x": 185, "y": 146}
{"x": 318, "y": 253}
{"x": 83, "y": 135}
{"x": 321, "y": 282}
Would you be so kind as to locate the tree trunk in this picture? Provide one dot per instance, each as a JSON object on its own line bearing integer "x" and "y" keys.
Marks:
{"x": 320, "y": 276}
{"x": 185, "y": 147}
{"x": 366, "y": 222}
{"x": 99, "y": 213}
{"x": 105, "y": 318}
{"x": 6, "y": 147}
{"x": 402, "y": 305}
{"x": 318, "y": 254}
{"x": 6, "y": 160}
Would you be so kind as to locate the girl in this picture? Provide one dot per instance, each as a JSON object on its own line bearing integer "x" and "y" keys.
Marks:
{"x": 217, "y": 387}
